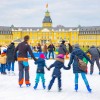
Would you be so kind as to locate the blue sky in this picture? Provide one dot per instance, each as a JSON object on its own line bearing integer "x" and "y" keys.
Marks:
{"x": 63, "y": 12}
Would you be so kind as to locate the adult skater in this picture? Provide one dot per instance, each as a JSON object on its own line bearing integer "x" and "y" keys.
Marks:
{"x": 77, "y": 52}
{"x": 10, "y": 58}
{"x": 23, "y": 48}
{"x": 62, "y": 48}
{"x": 95, "y": 55}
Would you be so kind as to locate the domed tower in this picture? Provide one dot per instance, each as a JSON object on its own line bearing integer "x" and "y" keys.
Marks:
{"x": 47, "y": 22}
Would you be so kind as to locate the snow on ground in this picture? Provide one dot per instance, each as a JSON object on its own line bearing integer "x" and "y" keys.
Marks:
{"x": 10, "y": 90}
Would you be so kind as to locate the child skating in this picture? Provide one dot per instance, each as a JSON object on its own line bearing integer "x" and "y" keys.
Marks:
{"x": 58, "y": 64}
{"x": 40, "y": 71}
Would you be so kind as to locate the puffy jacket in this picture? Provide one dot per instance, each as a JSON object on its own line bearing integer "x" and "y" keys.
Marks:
{"x": 57, "y": 67}
{"x": 73, "y": 60}
{"x": 94, "y": 52}
{"x": 40, "y": 65}
{"x": 62, "y": 49}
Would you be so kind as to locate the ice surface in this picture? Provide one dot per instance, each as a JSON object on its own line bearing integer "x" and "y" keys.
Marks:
{"x": 10, "y": 90}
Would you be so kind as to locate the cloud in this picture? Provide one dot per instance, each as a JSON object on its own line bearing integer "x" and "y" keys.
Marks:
{"x": 65, "y": 12}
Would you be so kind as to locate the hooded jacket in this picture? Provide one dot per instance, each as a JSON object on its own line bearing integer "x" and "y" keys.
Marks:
{"x": 40, "y": 65}
{"x": 62, "y": 49}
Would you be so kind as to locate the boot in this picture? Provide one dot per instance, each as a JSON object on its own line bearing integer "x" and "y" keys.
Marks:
{"x": 28, "y": 85}
{"x": 91, "y": 73}
{"x": 35, "y": 87}
{"x": 59, "y": 89}
{"x": 76, "y": 87}
{"x": 43, "y": 84}
{"x": 89, "y": 89}
{"x": 20, "y": 85}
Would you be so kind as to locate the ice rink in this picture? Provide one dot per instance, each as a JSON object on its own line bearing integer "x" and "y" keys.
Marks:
{"x": 10, "y": 90}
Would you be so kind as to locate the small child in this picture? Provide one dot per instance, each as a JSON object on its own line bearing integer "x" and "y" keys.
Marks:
{"x": 58, "y": 64}
{"x": 3, "y": 66}
{"x": 40, "y": 71}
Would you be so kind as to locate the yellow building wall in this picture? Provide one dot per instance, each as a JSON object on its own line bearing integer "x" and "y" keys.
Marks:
{"x": 5, "y": 39}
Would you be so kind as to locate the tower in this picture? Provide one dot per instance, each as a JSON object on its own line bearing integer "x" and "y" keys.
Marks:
{"x": 47, "y": 22}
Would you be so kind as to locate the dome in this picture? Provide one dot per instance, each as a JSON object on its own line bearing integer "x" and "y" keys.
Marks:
{"x": 47, "y": 19}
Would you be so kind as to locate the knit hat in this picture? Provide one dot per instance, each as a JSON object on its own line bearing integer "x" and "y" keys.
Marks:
{"x": 76, "y": 45}
{"x": 42, "y": 56}
{"x": 60, "y": 56}
{"x": 63, "y": 41}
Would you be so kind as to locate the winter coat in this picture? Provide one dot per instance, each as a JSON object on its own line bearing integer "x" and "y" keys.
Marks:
{"x": 10, "y": 53}
{"x": 62, "y": 49}
{"x": 73, "y": 60}
{"x": 51, "y": 48}
{"x": 70, "y": 48}
{"x": 23, "y": 48}
{"x": 40, "y": 65}
{"x": 45, "y": 48}
{"x": 94, "y": 52}
{"x": 57, "y": 68}
{"x": 39, "y": 49}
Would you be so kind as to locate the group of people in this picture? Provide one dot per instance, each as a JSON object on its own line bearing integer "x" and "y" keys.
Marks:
{"x": 23, "y": 48}
{"x": 8, "y": 59}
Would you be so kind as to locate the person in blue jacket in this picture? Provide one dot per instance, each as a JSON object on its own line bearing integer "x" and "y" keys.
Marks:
{"x": 76, "y": 70}
{"x": 58, "y": 64}
{"x": 40, "y": 71}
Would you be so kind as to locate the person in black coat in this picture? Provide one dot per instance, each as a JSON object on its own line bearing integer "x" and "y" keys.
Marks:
{"x": 10, "y": 58}
{"x": 51, "y": 49}
{"x": 70, "y": 48}
{"x": 76, "y": 70}
{"x": 58, "y": 64}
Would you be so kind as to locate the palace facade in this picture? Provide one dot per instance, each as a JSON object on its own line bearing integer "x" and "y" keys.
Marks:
{"x": 89, "y": 35}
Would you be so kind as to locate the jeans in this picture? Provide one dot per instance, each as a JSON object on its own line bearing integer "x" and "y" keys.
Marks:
{"x": 10, "y": 66}
{"x": 52, "y": 54}
{"x": 3, "y": 68}
{"x": 38, "y": 76}
{"x": 45, "y": 53}
{"x": 83, "y": 77}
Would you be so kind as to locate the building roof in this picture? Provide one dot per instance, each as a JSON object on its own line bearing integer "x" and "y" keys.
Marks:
{"x": 47, "y": 19}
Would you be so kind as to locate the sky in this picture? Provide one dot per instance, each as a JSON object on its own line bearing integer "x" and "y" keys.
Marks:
{"x": 69, "y": 13}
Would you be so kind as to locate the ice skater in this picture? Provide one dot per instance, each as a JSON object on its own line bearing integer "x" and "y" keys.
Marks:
{"x": 58, "y": 64}
{"x": 76, "y": 70}
{"x": 40, "y": 71}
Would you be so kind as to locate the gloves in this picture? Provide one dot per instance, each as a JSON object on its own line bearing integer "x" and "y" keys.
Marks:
{"x": 68, "y": 67}
{"x": 48, "y": 68}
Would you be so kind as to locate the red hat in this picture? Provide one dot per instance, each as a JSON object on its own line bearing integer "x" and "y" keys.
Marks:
{"x": 42, "y": 56}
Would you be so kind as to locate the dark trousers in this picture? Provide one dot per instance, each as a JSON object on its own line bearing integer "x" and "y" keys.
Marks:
{"x": 52, "y": 54}
{"x": 97, "y": 62}
{"x": 3, "y": 67}
{"x": 23, "y": 69}
{"x": 52, "y": 81}
{"x": 10, "y": 66}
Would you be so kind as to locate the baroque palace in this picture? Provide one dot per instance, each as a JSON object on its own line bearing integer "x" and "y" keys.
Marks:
{"x": 47, "y": 33}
